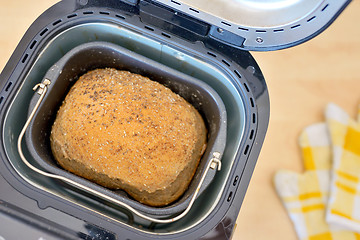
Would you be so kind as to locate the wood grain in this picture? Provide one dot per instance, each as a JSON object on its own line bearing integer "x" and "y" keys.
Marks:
{"x": 301, "y": 81}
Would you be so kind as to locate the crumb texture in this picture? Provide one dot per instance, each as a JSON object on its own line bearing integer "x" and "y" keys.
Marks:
{"x": 125, "y": 131}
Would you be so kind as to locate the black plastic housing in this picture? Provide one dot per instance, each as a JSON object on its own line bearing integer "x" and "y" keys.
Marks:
{"x": 57, "y": 213}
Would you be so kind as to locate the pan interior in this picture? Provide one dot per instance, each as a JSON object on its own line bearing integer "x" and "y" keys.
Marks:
{"x": 191, "y": 64}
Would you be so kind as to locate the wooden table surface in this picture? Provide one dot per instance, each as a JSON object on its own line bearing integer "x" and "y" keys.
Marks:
{"x": 301, "y": 81}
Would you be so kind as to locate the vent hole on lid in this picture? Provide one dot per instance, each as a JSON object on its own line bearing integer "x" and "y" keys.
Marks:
{"x": 230, "y": 196}
{"x": 24, "y": 58}
{"x": 246, "y": 149}
{"x": 254, "y": 118}
{"x": 33, "y": 44}
{"x": 1, "y": 99}
{"x": 246, "y": 87}
{"x": 237, "y": 73}
{"x": 176, "y": 2}
{"x": 236, "y": 180}
{"x": 296, "y": 26}
{"x": 166, "y": 35}
{"x": 251, "y": 134}
{"x": 227, "y": 24}
{"x": 8, "y": 86}
{"x": 325, "y": 7}
{"x": 119, "y": 16}
{"x": 278, "y": 30}
{"x": 226, "y": 63}
{"x": 104, "y": 13}
{"x": 149, "y": 28}
{"x": 72, "y": 15}
{"x": 212, "y": 54}
{"x": 57, "y": 22}
{"x": 261, "y": 31}
{"x": 243, "y": 29}
{"x": 43, "y": 32}
{"x": 88, "y": 12}
{"x": 194, "y": 10}
{"x": 252, "y": 102}
{"x": 310, "y": 19}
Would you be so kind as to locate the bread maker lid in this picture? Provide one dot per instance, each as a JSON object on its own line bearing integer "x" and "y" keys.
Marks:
{"x": 262, "y": 25}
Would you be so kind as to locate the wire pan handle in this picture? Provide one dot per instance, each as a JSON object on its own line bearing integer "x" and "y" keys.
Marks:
{"x": 41, "y": 89}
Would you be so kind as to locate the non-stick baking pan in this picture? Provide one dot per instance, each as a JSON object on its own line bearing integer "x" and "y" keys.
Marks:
{"x": 94, "y": 55}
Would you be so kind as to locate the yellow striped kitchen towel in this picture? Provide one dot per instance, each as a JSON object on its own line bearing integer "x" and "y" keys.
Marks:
{"x": 305, "y": 195}
{"x": 344, "y": 201}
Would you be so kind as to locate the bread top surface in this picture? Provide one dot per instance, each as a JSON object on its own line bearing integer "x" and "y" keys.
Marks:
{"x": 128, "y": 127}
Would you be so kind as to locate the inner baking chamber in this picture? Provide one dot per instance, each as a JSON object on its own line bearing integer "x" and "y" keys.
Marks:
{"x": 192, "y": 64}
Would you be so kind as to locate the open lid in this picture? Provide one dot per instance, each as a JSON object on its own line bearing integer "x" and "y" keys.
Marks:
{"x": 262, "y": 25}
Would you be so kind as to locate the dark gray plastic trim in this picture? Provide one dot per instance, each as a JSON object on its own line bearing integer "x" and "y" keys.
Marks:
{"x": 271, "y": 37}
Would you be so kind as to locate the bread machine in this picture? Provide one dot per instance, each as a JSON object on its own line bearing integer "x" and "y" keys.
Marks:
{"x": 192, "y": 39}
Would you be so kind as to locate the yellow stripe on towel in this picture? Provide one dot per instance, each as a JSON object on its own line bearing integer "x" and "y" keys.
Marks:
{"x": 323, "y": 236}
{"x": 345, "y": 188}
{"x": 303, "y": 197}
{"x": 347, "y": 176}
{"x": 310, "y": 195}
{"x": 352, "y": 140}
{"x": 313, "y": 207}
{"x": 308, "y": 158}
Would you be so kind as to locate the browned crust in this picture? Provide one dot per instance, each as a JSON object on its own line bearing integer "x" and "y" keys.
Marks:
{"x": 124, "y": 131}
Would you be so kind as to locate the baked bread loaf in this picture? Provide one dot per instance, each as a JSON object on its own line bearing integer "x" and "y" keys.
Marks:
{"x": 123, "y": 131}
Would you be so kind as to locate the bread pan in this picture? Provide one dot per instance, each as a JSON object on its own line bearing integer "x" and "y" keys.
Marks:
{"x": 89, "y": 56}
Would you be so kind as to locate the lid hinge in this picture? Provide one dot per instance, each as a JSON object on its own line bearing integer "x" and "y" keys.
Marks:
{"x": 172, "y": 21}
{"x": 226, "y": 37}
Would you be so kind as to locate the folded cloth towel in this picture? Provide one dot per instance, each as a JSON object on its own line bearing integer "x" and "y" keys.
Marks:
{"x": 344, "y": 200}
{"x": 305, "y": 195}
